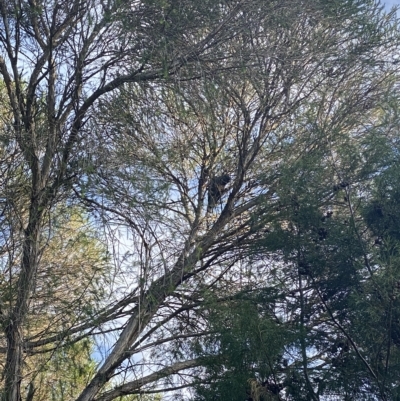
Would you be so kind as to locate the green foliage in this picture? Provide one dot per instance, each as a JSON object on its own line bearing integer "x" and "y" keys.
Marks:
{"x": 66, "y": 372}
{"x": 382, "y": 212}
{"x": 289, "y": 287}
{"x": 332, "y": 238}
{"x": 248, "y": 346}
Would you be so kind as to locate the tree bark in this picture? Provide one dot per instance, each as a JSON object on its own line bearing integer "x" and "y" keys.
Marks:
{"x": 17, "y": 317}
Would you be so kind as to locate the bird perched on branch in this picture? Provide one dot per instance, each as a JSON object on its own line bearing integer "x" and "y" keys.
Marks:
{"x": 216, "y": 189}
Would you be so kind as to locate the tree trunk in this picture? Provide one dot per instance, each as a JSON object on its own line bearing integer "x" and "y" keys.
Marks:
{"x": 12, "y": 390}
{"x": 16, "y": 320}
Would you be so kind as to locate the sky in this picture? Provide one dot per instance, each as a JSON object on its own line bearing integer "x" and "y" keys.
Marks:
{"x": 390, "y": 3}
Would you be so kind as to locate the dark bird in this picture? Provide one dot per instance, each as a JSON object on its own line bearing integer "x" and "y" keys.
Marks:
{"x": 216, "y": 189}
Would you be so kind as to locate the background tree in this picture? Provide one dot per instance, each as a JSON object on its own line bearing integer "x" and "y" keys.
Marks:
{"x": 71, "y": 280}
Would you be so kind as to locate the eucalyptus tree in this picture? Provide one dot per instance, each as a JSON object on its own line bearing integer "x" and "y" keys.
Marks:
{"x": 172, "y": 120}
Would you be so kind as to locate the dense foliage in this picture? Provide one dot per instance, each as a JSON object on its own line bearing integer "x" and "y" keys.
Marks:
{"x": 199, "y": 199}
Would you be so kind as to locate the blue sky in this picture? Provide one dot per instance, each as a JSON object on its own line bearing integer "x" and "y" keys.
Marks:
{"x": 391, "y": 3}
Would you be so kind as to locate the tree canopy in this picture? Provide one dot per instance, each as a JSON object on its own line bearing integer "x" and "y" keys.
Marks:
{"x": 199, "y": 199}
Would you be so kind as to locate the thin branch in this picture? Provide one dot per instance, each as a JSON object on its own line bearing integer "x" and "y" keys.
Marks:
{"x": 135, "y": 386}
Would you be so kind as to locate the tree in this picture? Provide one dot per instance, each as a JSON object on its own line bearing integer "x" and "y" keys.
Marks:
{"x": 58, "y": 59}
{"x": 64, "y": 373}
{"x": 71, "y": 279}
{"x": 185, "y": 135}
{"x": 329, "y": 254}
{"x": 243, "y": 354}
{"x": 133, "y": 109}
